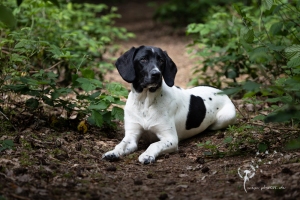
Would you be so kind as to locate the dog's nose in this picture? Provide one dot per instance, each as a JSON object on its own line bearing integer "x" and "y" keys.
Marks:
{"x": 155, "y": 74}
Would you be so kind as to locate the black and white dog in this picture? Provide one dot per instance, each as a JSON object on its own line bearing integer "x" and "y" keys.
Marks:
{"x": 163, "y": 113}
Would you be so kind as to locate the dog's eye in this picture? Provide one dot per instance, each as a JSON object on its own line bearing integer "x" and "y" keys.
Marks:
{"x": 144, "y": 60}
{"x": 161, "y": 61}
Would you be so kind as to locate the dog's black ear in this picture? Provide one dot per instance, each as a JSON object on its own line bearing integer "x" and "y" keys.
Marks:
{"x": 125, "y": 65}
{"x": 170, "y": 71}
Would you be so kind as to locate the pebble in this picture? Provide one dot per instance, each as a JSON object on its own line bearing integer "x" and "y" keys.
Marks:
{"x": 205, "y": 169}
{"x": 200, "y": 160}
{"x": 249, "y": 107}
{"x": 111, "y": 168}
{"x": 138, "y": 182}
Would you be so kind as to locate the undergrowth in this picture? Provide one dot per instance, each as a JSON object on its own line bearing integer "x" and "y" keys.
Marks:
{"x": 254, "y": 52}
{"x": 52, "y": 61}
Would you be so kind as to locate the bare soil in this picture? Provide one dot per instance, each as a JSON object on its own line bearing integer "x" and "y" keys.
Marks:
{"x": 59, "y": 163}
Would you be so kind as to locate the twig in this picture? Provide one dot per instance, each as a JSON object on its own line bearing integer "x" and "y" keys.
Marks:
{"x": 284, "y": 129}
{"x": 240, "y": 111}
{"x": 49, "y": 67}
{"x": 8, "y": 120}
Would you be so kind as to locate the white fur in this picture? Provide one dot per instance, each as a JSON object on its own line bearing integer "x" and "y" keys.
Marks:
{"x": 162, "y": 115}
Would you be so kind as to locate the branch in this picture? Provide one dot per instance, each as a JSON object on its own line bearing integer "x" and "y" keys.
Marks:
{"x": 8, "y": 120}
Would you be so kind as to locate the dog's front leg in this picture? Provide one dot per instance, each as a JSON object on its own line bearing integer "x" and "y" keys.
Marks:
{"x": 165, "y": 145}
{"x": 128, "y": 145}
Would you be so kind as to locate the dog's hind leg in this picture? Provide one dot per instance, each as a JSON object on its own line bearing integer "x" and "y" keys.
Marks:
{"x": 226, "y": 116}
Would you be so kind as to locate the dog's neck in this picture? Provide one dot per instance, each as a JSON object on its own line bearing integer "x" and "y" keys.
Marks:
{"x": 147, "y": 96}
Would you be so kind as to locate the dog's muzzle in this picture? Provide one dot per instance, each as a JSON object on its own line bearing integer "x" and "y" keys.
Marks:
{"x": 153, "y": 79}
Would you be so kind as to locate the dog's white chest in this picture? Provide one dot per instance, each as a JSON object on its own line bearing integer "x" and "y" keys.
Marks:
{"x": 147, "y": 111}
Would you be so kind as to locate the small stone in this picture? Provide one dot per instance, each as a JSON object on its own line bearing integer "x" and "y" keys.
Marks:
{"x": 205, "y": 169}
{"x": 287, "y": 171}
{"x": 200, "y": 160}
{"x": 163, "y": 196}
{"x": 231, "y": 180}
{"x": 19, "y": 171}
{"x": 138, "y": 182}
{"x": 111, "y": 169}
{"x": 149, "y": 175}
{"x": 249, "y": 107}
{"x": 183, "y": 175}
{"x": 78, "y": 146}
{"x": 170, "y": 182}
{"x": 220, "y": 135}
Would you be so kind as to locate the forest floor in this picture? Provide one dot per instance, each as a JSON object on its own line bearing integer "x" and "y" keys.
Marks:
{"x": 52, "y": 163}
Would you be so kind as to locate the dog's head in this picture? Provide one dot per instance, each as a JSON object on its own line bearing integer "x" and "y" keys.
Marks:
{"x": 145, "y": 66}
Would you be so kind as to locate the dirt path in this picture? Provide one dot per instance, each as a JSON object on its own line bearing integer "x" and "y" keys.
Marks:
{"x": 137, "y": 18}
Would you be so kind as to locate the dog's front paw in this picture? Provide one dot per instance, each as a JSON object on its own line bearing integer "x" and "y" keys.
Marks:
{"x": 111, "y": 156}
{"x": 146, "y": 159}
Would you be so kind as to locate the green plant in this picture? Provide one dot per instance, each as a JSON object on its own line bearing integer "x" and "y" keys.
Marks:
{"x": 6, "y": 144}
{"x": 212, "y": 149}
{"x": 255, "y": 51}
{"x": 56, "y": 52}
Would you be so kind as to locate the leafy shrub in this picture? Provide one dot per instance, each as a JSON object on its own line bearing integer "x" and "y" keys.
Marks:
{"x": 181, "y": 13}
{"x": 53, "y": 52}
{"x": 256, "y": 52}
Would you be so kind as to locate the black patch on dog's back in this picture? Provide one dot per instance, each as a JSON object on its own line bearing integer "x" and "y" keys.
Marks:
{"x": 196, "y": 114}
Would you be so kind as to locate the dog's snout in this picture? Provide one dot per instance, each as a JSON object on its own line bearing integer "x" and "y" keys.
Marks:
{"x": 155, "y": 74}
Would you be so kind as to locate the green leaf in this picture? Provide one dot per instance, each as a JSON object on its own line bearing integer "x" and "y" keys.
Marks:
{"x": 228, "y": 139}
{"x": 249, "y": 36}
{"x": 116, "y": 89}
{"x": 96, "y": 82}
{"x": 259, "y": 55}
{"x": 276, "y": 28}
{"x": 6, "y": 144}
{"x": 231, "y": 91}
{"x": 292, "y": 51}
{"x": 251, "y": 86}
{"x": 274, "y": 47}
{"x": 88, "y": 73}
{"x": 284, "y": 99}
{"x": 294, "y": 62}
{"x": 259, "y": 118}
{"x": 97, "y": 118}
{"x": 48, "y": 101}
{"x": 32, "y": 104}
{"x": 293, "y": 144}
{"x": 283, "y": 115}
{"x": 7, "y": 17}
{"x": 267, "y": 3}
{"x": 19, "y": 2}
{"x": 262, "y": 147}
{"x": 118, "y": 113}
{"x": 239, "y": 10}
{"x": 100, "y": 106}
{"x": 18, "y": 88}
{"x": 55, "y": 2}
{"x": 95, "y": 95}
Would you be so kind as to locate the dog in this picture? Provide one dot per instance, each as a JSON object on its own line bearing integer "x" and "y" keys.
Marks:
{"x": 161, "y": 112}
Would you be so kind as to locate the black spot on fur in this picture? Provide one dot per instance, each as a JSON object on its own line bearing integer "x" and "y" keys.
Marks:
{"x": 210, "y": 98}
{"x": 196, "y": 114}
{"x": 178, "y": 87}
